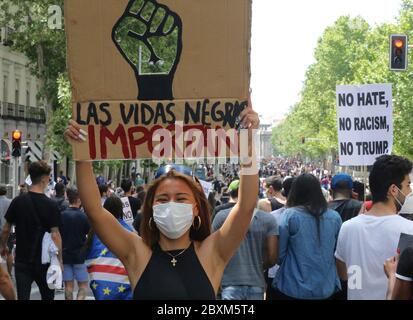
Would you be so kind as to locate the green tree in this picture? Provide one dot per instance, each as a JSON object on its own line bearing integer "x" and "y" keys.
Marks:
{"x": 61, "y": 117}
{"x": 44, "y": 47}
{"x": 349, "y": 52}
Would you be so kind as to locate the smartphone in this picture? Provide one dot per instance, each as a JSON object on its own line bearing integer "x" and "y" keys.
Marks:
{"x": 405, "y": 241}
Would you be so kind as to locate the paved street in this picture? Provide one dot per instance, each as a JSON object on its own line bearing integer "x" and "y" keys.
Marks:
{"x": 59, "y": 294}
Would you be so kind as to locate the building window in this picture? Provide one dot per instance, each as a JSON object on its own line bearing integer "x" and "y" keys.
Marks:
{"x": 37, "y": 96}
{"x": 5, "y": 89}
{"x": 5, "y": 36}
{"x": 28, "y": 94}
{"x": 17, "y": 92}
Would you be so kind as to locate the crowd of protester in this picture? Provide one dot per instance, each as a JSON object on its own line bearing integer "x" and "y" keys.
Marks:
{"x": 312, "y": 235}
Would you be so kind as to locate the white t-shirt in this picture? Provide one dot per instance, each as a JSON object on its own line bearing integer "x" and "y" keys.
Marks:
{"x": 364, "y": 244}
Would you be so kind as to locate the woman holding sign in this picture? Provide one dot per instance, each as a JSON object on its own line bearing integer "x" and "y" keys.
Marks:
{"x": 177, "y": 256}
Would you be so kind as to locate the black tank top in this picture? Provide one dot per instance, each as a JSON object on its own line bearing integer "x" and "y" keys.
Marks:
{"x": 275, "y": 204}
{"x": 162, "y": 281}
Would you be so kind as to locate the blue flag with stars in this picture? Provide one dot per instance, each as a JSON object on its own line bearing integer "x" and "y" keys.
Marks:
{"x": 108, "y": 277}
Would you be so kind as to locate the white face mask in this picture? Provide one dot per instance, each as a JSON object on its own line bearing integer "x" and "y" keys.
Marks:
{"x": 407, "y": 207}
{"x": 173, "y": 219}
{"x": 400, "y": 203}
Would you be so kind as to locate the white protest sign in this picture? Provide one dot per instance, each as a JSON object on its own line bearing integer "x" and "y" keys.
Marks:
{"x": 207, "y": 186}
{"x": 127, "y": 212}
{"x": 28, "y": 181}
{"x": 364, "y": 123}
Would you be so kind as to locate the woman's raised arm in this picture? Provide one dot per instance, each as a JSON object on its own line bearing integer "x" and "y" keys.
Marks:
{"x": 119, "y": 241}
{"x": 228, "y": 238}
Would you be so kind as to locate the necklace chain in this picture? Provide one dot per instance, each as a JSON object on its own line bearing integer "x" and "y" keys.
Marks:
{"x": 173, "y": 260}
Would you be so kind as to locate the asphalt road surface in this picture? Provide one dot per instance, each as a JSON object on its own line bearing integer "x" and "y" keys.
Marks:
{"x": 59, "y": 294}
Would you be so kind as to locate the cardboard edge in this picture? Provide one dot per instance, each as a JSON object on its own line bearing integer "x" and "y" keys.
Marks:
{"x": 69, "y": 73}
{"x": 249, "y": 34}
{"x": 74, "y": 103}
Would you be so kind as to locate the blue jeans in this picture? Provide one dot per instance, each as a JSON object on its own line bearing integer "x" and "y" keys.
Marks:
{"x": 76, "y": 272}
{"x": 242, "y": 293}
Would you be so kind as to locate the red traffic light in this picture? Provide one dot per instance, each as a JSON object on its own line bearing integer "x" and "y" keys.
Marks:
{"x": 398, "y": 52}
{"x": 16, "y": 135}
{"x": 399, "y": 44}
{"x": 16, "y": 150}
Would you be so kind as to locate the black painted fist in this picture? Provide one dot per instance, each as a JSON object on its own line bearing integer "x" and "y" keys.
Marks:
{"x": 149, "y": 36}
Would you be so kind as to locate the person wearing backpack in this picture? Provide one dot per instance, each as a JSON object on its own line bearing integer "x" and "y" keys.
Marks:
{"x": 342, "y": 186}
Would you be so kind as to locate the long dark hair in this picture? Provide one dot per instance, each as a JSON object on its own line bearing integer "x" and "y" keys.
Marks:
{"x": 112, "y": 204}
{"x": 306, "y": 192}
{"x": 148, "y": 230}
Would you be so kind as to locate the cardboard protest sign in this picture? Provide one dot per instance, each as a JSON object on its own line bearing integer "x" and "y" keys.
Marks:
{"x": 138, "y": 66}
{"x": 127, "y": 211}
{"x": 364, "y": 122}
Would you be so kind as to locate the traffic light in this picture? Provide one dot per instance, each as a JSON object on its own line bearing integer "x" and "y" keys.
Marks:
{"x": 16, "y": 143}
{"x": 398, "y": 52}
{"x": 303, "y": 140}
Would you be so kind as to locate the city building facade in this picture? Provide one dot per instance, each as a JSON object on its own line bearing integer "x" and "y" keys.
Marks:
{"x": 20, "y": 108}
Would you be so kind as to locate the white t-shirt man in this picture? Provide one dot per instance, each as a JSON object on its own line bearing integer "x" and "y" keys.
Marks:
{"x": 364, "y": 244}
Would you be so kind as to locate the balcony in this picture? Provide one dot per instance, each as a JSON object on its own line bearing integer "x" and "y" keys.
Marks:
{"x": 22, "y": 113}
{"x": 34, "y": 114}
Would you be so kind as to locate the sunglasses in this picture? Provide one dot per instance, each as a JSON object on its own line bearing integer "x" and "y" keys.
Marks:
{"x": 177, "y": 168}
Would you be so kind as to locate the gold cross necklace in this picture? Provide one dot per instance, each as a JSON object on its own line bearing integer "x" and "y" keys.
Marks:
{"x": 173, "y": 260}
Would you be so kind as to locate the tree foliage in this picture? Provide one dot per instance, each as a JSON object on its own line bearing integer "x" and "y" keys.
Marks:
{"x": 30, "y": 19}
{"x": 44, "y": 47}
{"x": 61, "y": 117}
{"x": 349, "y": 52}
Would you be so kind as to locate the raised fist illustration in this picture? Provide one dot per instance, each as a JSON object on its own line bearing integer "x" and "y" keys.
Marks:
{"x": 149, "y": 36}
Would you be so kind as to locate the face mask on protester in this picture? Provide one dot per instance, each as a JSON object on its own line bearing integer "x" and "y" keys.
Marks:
{"x": 173, "y": 219}
{"x": 399, "y": 203}
{"x": 408, "y": 205}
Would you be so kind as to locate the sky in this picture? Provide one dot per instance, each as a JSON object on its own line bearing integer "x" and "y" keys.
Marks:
{"x": 278, "y": 73}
